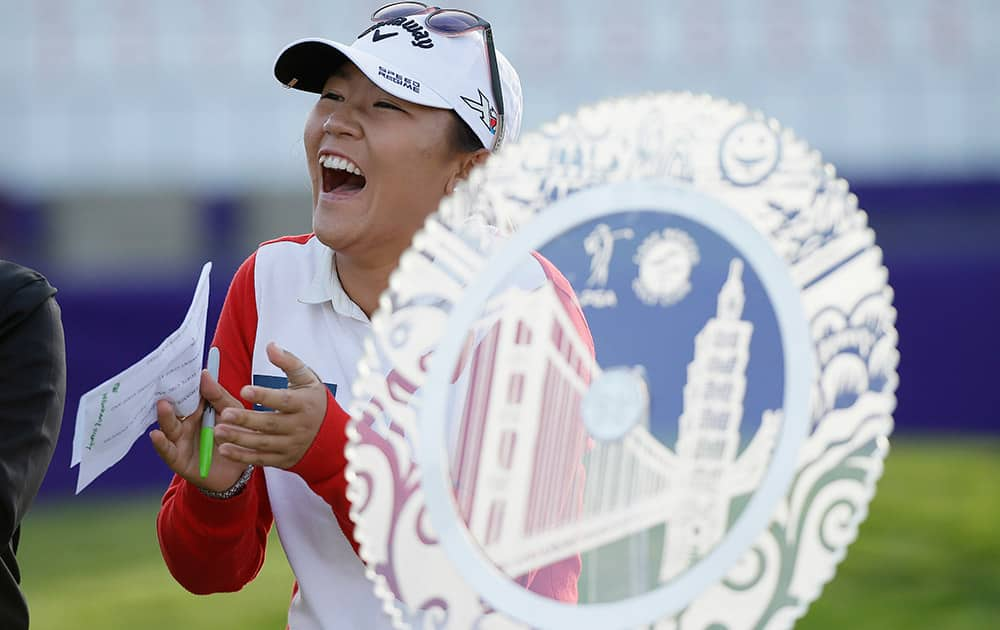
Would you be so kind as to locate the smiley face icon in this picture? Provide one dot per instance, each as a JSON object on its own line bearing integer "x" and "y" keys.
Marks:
{"x": 749, "y": 153}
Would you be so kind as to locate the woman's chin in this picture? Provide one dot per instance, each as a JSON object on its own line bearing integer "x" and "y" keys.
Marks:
{"x": 330, "y": 229}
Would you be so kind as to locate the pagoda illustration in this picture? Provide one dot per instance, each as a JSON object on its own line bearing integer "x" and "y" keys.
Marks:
{"x": 709, "y": 472}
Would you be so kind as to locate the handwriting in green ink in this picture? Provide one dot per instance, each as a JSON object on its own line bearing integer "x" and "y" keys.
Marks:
{"x": 100, "y": 421}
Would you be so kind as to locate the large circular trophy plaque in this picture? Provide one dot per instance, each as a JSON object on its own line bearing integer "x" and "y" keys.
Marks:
{"x": 638, "y": 371}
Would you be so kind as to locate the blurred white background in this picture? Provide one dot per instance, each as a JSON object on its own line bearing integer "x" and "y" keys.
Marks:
{"x": 118, "y": 118}
{"x": 179, "y": 94}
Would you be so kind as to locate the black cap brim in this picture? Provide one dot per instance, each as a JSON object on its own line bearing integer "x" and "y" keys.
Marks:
{"x": 307, "y": 64}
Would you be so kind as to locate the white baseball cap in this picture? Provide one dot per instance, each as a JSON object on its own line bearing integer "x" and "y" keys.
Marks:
{"x": 418, "y": 65}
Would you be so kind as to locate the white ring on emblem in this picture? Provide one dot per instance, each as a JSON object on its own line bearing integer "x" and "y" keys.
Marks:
{"x": 478, "y": 570}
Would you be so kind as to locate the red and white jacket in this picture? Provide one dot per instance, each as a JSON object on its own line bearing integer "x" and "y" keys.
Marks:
{"x": 288, "y": 292}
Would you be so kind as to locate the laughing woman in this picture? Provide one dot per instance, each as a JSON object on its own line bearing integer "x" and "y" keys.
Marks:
{"x": 402, "y": 115}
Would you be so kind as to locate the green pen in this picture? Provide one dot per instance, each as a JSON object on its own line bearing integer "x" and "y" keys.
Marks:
{"x": 208, "y": 419}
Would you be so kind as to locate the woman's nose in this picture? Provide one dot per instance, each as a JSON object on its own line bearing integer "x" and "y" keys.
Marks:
{"x": 341, "y": 123}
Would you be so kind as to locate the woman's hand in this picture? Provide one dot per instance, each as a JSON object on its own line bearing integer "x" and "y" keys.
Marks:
{"x": 278, "y": 438}
{"x": 176, "y": 441}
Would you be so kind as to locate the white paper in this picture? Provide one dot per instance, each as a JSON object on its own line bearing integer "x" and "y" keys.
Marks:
{"x": 115, "y": 414}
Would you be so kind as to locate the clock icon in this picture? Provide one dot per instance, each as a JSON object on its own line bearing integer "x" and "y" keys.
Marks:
{"x": 665, "y": 261}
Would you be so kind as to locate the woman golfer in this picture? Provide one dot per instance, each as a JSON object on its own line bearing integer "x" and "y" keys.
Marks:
{"x": 402, "y": 115}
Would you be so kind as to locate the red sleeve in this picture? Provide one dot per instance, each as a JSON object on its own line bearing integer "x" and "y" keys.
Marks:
{"x": 568, "y": 299}
{"x": 559, "y": 580}
{"x": 212, "y": 545}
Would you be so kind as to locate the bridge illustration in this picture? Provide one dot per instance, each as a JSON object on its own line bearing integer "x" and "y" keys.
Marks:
{"x": 534, "y": 487}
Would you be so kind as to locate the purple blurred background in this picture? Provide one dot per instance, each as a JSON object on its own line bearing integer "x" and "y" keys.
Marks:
{"x": 940, "y": 242}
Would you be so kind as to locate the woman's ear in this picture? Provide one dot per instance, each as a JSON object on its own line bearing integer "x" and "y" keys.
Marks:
{"x": 467, "y": 162}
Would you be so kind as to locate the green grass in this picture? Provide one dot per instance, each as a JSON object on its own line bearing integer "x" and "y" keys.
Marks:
{"x": 88, "y": 565}
{"x": 927, "y": 557}
{"x": 929, "y": 554}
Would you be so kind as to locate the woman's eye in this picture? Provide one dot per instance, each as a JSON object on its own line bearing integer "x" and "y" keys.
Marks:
{"x": 388, "y": 105}
{"x": 333, "y": 96}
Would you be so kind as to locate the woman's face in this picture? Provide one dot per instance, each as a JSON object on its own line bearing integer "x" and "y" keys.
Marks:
{"x": 378, "y": 165}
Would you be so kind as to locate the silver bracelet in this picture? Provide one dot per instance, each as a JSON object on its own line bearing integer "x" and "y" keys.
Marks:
{"x": 233, "y": 490}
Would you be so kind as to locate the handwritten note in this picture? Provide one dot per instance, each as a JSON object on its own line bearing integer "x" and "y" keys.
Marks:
{"x": 115, "y": 414}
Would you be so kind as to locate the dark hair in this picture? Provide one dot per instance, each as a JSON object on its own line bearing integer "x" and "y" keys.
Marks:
{"x": 463, "y": 138}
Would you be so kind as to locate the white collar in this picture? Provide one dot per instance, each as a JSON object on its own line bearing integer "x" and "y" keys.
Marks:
{"x": 325, "y": 287}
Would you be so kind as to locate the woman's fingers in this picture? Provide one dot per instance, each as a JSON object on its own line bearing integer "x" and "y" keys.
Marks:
{"x": 248, "y": 456}
{"x": 164, "y": 447}
{"x": 170, "y": 424}
{"x": 273, "y": 439}
{"x": 216, "y": 394}
{"x": 298, "y": 373}
{"x": 278, "y": 399}
{"x": 174, "y": 441}
{"x": 270, "y": 438}
{"x": 261, "y": 421}
{"x": 265, "y": 442}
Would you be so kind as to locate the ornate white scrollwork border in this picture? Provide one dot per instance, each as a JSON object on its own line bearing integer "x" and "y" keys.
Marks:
{"x": 790, "y": 197}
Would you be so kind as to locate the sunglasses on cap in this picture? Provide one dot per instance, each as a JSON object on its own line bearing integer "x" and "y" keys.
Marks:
{"x": 451, "y": 23}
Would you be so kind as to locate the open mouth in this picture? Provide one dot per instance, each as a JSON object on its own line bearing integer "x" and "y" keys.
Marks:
{"x": 341, "y": 176}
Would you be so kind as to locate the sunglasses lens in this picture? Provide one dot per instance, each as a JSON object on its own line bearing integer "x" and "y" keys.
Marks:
{"x": 398, "y": 9}
{"x": 450, "y": 21}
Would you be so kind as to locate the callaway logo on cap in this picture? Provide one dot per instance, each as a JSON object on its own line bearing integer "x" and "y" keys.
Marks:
{"x": 411, "y": 62}
{"x": 421, "y": 38}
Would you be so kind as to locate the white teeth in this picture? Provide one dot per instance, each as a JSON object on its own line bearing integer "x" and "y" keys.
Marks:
{"x": 339, "y": 163}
